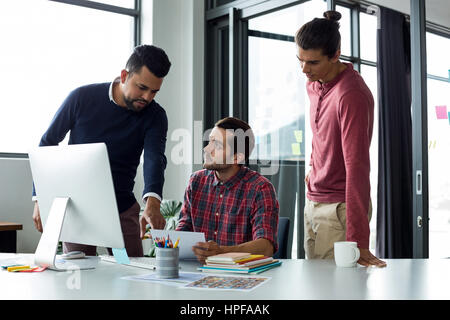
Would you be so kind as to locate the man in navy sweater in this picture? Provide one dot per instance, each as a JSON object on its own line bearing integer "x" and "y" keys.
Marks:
{"x": 124, "y": 116}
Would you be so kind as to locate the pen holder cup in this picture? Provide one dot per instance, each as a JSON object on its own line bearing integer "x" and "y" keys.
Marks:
{"x": 167, "y": 262}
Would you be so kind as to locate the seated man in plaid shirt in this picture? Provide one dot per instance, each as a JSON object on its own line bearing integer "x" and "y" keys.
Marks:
{"x": 234, "y": 206}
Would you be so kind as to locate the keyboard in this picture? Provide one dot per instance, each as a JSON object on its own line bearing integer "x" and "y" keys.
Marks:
{"x": 138, "y": 262}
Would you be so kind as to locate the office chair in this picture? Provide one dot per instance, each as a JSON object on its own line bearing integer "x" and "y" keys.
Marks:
{"x": 283, "y": 235}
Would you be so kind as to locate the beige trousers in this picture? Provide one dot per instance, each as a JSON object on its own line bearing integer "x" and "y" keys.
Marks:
{"x": 325, "y": 224}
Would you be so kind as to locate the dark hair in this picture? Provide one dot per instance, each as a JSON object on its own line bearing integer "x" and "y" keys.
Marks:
{"x": 241, "y": 133}
{"x": 321, "y": 33}
{"x": 154, "y": 58}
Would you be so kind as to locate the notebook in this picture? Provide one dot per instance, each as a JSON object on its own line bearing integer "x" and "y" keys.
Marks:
{"x": 228, "y": 257}
{"x": 254, "y": 269}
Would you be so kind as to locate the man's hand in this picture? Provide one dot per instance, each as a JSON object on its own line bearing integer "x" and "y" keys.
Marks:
{"x": 366, "y": 258}
{"x": 307, "y": 178}
{"x": 152, "y": 216}
{"x": 205, "y": 249}
{"x": 37, "y": 217}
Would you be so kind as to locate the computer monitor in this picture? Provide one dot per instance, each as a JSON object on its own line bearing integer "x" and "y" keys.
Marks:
{"x": 76, "y": 198}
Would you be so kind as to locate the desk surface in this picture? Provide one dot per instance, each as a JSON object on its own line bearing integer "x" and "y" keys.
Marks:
{"x": 9, "y": 226}
{"x": 294, "y": 280}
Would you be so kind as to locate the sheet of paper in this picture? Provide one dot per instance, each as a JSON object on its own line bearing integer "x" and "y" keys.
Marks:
{"x": 187, "y": 241}
{"x": 441, "y": 112}
{"x": 219, "y": 282}
{"x": 183, "y": 279}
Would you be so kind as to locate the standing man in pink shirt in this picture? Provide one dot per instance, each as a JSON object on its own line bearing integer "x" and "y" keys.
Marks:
{"x": 338, "y": 205}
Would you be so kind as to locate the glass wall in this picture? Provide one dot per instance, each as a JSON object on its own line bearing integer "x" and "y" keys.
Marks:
{"x": 277, "y": 89}
{"x": 277, "y": 102}
{"x": 345, "y": 31}
{"x": 369, "y": 75}
{"x": 49, "y": 49}
{"x": 368, "y": 51}
{"x": 368, "y": 32}
{"x": 438, "y": 84}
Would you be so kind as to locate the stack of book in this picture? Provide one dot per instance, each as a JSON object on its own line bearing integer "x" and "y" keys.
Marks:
{"x": 239, "y": 262}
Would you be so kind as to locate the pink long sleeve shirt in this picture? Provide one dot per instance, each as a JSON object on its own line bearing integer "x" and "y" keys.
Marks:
{"x": 341, "y": 115}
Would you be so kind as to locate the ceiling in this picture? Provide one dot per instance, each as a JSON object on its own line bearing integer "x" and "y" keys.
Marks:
{"x": 437, "y": 11}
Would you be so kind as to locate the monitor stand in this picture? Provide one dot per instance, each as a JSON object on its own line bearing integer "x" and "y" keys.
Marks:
{"x": 45, "y": 255}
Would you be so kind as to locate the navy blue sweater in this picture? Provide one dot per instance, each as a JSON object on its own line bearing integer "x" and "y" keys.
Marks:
{"x": 91, "y": 117}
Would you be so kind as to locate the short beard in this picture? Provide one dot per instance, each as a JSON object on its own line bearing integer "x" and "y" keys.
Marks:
{"x": 131, "y": 107}
{"x": 216, "y": 167}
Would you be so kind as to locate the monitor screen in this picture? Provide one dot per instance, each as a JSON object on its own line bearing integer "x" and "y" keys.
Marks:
{"x": 81, "y": 173}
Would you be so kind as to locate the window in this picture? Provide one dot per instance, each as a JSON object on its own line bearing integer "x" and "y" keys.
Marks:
{"x": 438, "y": 85}
{"x": 52, "y": 48}
{"x": 368, "y": 32}
{"x": 369, "y": 75}
{"x": 281, "y": 121}
{"x": 345, "y": 30}
{"x": 277, "y": 102}
{"x": 438, "y": 62}
{"x": 288, "y": 21}
{"x": 278, "y": 105}
{"x": 277, "y": 94}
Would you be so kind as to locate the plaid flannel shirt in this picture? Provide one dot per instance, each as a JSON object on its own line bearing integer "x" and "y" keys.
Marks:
{"x": 242, "y": 209}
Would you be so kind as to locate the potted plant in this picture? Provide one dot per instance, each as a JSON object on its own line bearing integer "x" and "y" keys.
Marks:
{"x": 170, "y": 209}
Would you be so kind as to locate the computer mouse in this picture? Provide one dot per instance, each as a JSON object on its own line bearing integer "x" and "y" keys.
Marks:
{"x": 73, "y": 255}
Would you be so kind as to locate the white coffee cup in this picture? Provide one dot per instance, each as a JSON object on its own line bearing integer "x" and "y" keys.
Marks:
{"x": 346, "y": 254}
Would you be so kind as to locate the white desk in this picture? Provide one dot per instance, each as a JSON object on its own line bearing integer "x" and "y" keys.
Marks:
{"x": 294, "y": 280}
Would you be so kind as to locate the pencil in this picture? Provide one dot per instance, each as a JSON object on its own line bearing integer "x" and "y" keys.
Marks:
{"x": 176, "y": 243}
{"x": 17, "y": 268}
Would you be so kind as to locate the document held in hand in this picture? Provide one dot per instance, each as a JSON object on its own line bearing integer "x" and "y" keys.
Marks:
{"x": 187, "y": 240}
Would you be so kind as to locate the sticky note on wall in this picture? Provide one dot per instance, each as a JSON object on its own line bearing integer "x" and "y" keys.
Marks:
{"x": 296, "y": 149}
{"x": 441, "y": 112}
{"x": 298, "y": 135}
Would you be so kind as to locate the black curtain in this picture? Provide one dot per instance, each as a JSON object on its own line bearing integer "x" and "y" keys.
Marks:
{"x": 394, "y": 208}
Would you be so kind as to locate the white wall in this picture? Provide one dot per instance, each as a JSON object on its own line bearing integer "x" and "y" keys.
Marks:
{"x": 178, "y": 28}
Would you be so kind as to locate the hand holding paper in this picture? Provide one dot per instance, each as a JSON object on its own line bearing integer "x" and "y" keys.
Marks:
{"x": 203, "y": 250}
